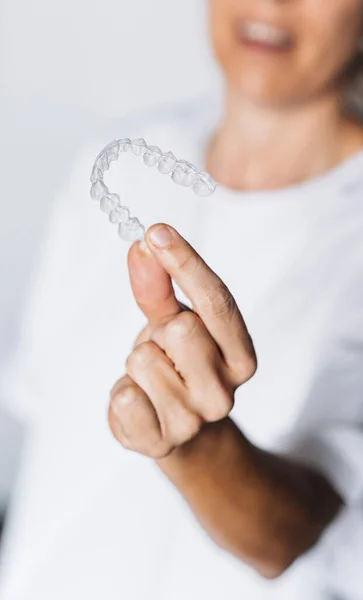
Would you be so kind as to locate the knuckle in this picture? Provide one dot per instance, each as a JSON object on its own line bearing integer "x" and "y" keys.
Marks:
{"x": 114, "y": 424}
{"x": 120, "y": 398}
{"x": 123, "y": 396}
{"x": 143, "y": 336}
{"x": 188, "y": 427}
{"x": 245, "y": 369}
{"x": 182, "y": 325}
{"x": 220, "y": 302}
{"x": 127, "y": 443}
{"x": 251, "y": 367}
{"x": 140, "y": 356}
{"x": 117, "y": 386}
{"x": 220, "y": 407}
{"x": 160, "y": 450}
{"x": 194, "y": 426}
{"x": 149, "y": 444}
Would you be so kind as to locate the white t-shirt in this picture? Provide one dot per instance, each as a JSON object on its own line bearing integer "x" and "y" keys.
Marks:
{"x": 91, "y": 520}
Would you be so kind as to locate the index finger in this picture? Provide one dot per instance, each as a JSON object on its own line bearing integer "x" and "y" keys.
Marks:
{"x": 210, "y": 297}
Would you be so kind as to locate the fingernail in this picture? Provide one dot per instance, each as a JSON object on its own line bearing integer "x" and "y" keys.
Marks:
{"x": 161, "y": 236}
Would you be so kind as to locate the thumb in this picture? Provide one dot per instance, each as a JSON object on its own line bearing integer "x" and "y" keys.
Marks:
{"x": 151, "y": 285}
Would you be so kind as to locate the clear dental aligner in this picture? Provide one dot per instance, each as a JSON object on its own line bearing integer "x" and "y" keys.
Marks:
{"x": 181, "y": 172}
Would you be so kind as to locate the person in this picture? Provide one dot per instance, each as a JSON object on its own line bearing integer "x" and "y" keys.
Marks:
{"x": 235, "y": 465}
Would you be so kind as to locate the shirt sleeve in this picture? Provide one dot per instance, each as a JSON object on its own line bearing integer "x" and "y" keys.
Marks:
{"x": 329, "y": 438}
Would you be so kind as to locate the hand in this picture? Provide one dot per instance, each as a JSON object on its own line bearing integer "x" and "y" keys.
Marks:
{"x": 186, "y": 365}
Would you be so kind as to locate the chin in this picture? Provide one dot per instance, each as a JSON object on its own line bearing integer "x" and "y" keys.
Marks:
{"x": 260, "y": 91}
{"x": 263, "y": 88}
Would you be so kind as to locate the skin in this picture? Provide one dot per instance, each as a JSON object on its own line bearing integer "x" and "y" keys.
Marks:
{"x": 325, "y": 38}
{"x": 283, "y": 120}
{"x": 282, "y": 124}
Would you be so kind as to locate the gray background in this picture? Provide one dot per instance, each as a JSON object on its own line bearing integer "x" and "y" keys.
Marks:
{"x": 65, "y": 68}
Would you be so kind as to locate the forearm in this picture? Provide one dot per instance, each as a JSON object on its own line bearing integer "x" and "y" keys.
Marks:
{"x": 264, "y": 509}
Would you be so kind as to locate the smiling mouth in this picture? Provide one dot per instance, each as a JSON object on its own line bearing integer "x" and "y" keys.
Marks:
{"x": 264, "y": 36}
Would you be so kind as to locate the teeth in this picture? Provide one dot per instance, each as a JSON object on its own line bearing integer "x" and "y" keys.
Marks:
{"x": 255, "y": 31}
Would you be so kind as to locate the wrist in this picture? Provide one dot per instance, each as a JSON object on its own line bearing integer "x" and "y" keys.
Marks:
{"x": 212, "y": 446}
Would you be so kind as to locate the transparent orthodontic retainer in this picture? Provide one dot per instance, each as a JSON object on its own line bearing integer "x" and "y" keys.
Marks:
{"x": 181, "y": 172}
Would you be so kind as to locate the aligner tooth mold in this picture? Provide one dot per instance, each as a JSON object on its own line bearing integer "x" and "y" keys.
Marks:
{"x": 109, "y": 203}
{"x": 138, "y": 146}
{"x": 205, "y": 185}
{"x": 167, "y": 163}
{"x": 125, "y": 144}
{"x": 152, "y": 156}
{"x": 181, "y": 172}
{"x": 184, "y": 173}
{"x": 98, "y": 190}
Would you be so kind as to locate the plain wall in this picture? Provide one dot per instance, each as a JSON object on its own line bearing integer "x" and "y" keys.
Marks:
{"x": 66, "y": 67}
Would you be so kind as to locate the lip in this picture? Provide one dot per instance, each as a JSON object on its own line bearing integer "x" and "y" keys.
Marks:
{"x": 263, "y": 36}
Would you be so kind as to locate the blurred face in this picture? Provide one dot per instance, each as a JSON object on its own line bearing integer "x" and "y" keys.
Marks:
{"x": 284, "y": 51}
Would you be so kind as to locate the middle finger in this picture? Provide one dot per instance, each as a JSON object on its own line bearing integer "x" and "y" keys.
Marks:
{"x": 197, "y": 359}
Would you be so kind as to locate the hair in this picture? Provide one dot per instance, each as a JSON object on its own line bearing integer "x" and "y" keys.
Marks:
{"x": 353, "y": 92}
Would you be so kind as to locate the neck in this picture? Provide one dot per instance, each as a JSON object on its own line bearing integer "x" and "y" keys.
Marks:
{"x": 258, "y": 147}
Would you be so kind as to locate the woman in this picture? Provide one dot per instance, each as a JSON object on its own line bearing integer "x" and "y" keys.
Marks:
{"x": 277, "y": 482}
